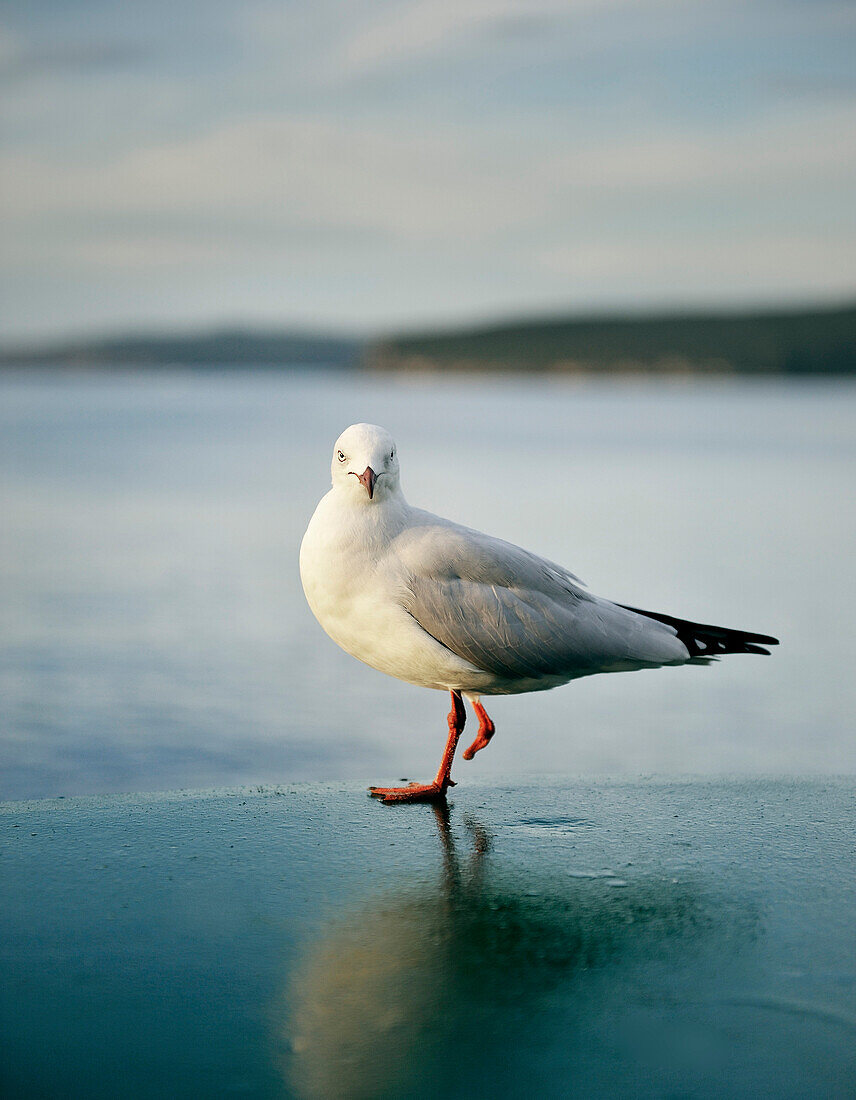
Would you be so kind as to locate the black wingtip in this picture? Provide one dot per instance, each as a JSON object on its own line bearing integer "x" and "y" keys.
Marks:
{"x": 705, "y": 640}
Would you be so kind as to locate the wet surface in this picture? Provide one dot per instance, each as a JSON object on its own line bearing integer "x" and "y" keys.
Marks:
{"x": 596, "y": 939}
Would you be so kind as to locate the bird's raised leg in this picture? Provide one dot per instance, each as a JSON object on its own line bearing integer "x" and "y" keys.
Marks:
{"x": 436, "y": 791}
{"x": 486, "y": 730}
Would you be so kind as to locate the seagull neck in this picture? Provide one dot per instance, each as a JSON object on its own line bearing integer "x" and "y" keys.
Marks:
{"x": 384, "y": 512}
{"x": 389, "y": 512}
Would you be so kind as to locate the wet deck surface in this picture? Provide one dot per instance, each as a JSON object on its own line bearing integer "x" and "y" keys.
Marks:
{"x": 596, "y": 939}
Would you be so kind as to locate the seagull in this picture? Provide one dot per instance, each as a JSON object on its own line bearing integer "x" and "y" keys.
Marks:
{"x": 442, "y": 606}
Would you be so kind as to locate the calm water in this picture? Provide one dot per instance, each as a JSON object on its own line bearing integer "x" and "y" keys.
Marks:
{"x": 603, "y": 940}
{"x": 153, "y": 633}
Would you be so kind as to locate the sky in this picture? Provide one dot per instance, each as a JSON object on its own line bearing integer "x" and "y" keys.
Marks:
{"x": 375, "y": 165}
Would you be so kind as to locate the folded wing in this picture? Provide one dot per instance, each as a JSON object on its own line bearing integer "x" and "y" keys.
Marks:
{"x": 517, "y": 615}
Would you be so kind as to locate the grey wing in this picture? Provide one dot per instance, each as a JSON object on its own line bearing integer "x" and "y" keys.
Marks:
{"x": 519, "y": 616}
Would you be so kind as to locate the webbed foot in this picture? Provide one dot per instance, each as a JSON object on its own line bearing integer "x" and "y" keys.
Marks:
{"x": 413, "y": 792}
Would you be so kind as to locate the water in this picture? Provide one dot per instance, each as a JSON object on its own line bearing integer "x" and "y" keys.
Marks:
{"x": 153, "y": 633}
{"x": 693, "y": 939}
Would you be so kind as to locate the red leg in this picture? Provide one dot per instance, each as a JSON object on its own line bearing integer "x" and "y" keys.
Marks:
{"x": 486, "y": 731}
{"x": 436, "y": 791}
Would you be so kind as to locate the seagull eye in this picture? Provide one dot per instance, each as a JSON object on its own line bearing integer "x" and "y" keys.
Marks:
{"x": 340, "y": 455}
{"x": 391, "y": 455}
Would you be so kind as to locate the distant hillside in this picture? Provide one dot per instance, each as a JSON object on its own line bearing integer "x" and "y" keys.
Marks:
{"x": 804, "y": 342}
{"x": 794, "y": 342}
{"x": 212, "y": 349}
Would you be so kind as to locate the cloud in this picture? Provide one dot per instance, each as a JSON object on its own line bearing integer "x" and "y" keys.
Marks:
{"x": 489, "y": 152}
{"x": 735, "y": 262}
{"x": 410, "y": 32}
{"x": 300, "y": 177}
{"x": 414, "y": 30}
{"x": 814, "y": 85}
{"x": 280, "y": 172}
{"x": 779, "y": 152}
{"x": 19, "y": 62}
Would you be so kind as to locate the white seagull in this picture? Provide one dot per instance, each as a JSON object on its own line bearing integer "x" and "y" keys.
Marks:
{"x": 439, "y": 605}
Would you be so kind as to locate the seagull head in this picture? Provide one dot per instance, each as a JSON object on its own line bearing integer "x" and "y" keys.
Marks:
{"x": 365, "y": 463}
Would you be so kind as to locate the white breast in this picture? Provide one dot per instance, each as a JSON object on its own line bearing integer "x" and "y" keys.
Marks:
{"x": 353, "y": 588}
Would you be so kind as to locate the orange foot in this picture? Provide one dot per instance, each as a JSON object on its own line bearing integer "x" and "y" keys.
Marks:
{"x": 413, "y": 792}
{"x": 436, "y": 791}
{"x": 486, "y": 730}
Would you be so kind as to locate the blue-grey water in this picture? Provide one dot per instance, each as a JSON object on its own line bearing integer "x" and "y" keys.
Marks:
{"x": 153, "y": 633}
{"x": 605, "y": 940}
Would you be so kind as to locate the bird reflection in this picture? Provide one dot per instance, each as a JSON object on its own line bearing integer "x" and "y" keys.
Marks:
{"x": 457, "y": 977}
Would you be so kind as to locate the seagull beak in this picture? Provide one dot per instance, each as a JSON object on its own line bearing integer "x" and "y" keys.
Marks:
{"x": 368, "y": 478}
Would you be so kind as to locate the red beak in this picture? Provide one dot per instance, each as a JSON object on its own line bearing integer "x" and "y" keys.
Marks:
{"x": 368, "y": 478}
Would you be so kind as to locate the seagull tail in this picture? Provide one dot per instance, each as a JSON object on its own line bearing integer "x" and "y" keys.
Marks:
{"x": 706, "y": 642}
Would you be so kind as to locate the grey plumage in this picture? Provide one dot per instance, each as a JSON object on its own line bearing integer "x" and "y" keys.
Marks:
{"x": 518, "y": 616}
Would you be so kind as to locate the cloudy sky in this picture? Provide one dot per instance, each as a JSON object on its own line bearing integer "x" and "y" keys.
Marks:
{"x": 373, "y": 164}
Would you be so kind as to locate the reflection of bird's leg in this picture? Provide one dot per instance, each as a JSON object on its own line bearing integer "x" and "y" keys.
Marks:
{"x": 444, "y": 828}
{"x": 436, "y": 791}
{"x": 451, "y": 873}
{"x": 481, "y": 837}
{"x": 481, "y": 846}
{"x": 486, "y": 730}
{"x": 457, "y": 887}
